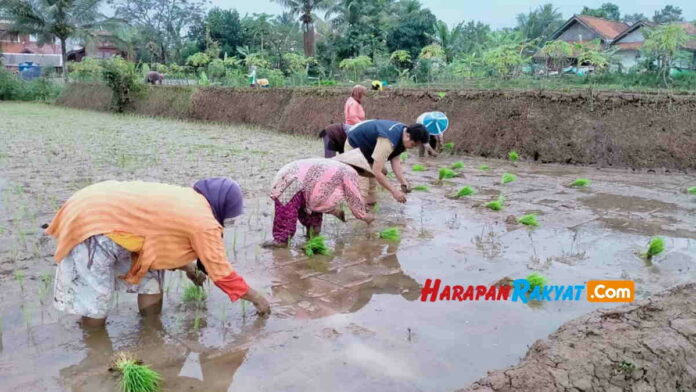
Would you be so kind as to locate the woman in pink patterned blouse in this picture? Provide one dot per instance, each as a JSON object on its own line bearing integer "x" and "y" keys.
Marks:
{"x": 306, "y": 189}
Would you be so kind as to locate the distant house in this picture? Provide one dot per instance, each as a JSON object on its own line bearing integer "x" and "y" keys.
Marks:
{"x": 583, "y": 28}
{"x": 102, "y": 47}
{"x": 19, "y": 48}
{"x": 629, "y": 43}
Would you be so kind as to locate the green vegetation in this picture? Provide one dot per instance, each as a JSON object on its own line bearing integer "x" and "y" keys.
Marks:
{"x": 536, "y": 280}
{"x": 124, "y": 81}
{"x": 465, "y": 191}
{"x": 655, "y": 247}
{"x": 423, "y": 188}
{"x": 193, "y": 294}
{"x": 692, "y": 190}
{"x": 528, "y": 220}
{"x": 448, "y": 147}
{"x": 458, "y": 165}
{"x": 390, "y": 234}
{"x": 19, "y": 277}
{"x": 317, "y": 246}
{"x": 12, "y": 88}
{"x": 507, "y": 177}
{"x": 497, "y": 204}
{"x": 581, "y": 182}
{"x": 418, "y": 168}
{"x": 446, "y": 173}
{"x": 484, "y": 167}
{"x": 513, "y": 156}
{"x": 404, "y": 156}
{"x": 136, "y": 377}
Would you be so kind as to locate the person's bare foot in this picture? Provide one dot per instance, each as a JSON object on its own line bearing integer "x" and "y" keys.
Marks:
{"x": 274, "y": 244}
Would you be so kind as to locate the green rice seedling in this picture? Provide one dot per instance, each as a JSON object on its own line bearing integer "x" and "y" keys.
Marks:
{"x": 513, "y": 156}
{"x": 193, "y": 293}
{"x": 655, "y": 247}
{"x": 446, "y": 173}
{"x": 528, "y": 220}
{"x": 498, "y": 204}
{"x": 508, "y": 177}
{"x": 442, "y": 94}
{"x": 536, "y": 280}
{"x": 404, "y": 156}
{"x": 448, "y": 147}
{"x": 422, "y": 188}
{"x": 580, "y": 182}
{"x": 390, "y": 234}
{"x": 136, "y": 377}
{"x": 418, "y": 168}
{"x": 484, "y": 167}
{"x": 692, "y": 190}
{"x": 458, "y": 165}
{"x": 317, "y": 246}
{"x": 19, "y": 277}
{"x": 465, "y": 191}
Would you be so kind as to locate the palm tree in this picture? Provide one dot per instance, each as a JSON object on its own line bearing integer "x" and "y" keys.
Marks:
{"x": 447, "y": 38}
{"x": 306, "y": 9}
{"x": 61, "y": 19}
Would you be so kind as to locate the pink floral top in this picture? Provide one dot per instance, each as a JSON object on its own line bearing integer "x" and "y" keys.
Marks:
{"x": 325, "y": 183}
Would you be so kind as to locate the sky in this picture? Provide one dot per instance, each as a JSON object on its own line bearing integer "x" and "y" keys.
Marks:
{"x": 497, "y": 13}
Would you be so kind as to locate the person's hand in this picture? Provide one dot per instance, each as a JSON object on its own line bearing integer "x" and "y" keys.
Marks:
{"x": 198, "y": 278}
{"x": 399, "y": 196}
{"x": 406, "y": 187}
{"x": 369, "y": 218}
{"x": 263, "y": 308}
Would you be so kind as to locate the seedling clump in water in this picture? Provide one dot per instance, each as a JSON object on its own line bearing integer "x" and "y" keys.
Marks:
{"x": 449, "y": 147}
{"x": 580, "y": 182}
{"x": 536, "y": 280}
{"x": 465, "y": 191}
{"x": 423, "y": 188}
{"x": 513, "y": 156}
{"x": 508, "y": 177}
{"x": 529, "y": 220}
{"x": 496, "y": 205}
{"x": 193, "y": 293}
{"x": 317, "y": 246}
{"x": 458, "y": 165}
{"x": 136, "y": 377}
{"x": 390, "y": 234}
{"x": 655, "y": 247}
{"x": 446, "y": 173}
{"x": 692, "y": 190}
{"x": 484, "y": 167}
{"x": 403, "y": 156}
{"x": 418, "y": 168}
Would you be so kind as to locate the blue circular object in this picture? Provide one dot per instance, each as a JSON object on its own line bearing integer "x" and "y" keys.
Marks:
{"x": 435, "y": 122}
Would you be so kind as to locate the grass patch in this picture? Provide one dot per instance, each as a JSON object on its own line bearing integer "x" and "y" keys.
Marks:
{"x": 513, "y": 156}
{"x": 193, "y": 293}
{"x": 497, "y": 204}
{"x": 508, "y": 177}
{"x": 446, "y": 173}
{"x": 390, "y": 234}
{"x": 317, "y": 246}
{"x": 580, "y": 182}
{"x": 484, "y": 167}
{"x": 536, "y": 280}
{"x": 418, "y": 168}
{"x": 655, "y": 247}
{"x": 528, "y": 220}
{"x": 136, "y": 377}
{"x": 465, "y": 191}
{"x": 422, "y": 188}
{"x": 692, "y": 190}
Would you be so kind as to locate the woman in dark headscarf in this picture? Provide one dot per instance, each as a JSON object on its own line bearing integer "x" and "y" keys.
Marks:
{"x": 124, "y": 235}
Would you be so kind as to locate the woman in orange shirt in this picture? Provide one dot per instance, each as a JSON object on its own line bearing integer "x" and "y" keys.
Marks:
{"x": 353, "y": 109}
{"x": 123, "y": 236}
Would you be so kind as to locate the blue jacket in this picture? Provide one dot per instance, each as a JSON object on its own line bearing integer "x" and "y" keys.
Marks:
{"x": 364, "y": 136}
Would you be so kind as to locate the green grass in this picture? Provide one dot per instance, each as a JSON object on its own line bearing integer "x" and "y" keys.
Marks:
{"x": 655, "y": 247}
{"x": 193, "y": 293}
{"x": 423, "y": 188}
{"x": 536, "y": 280}
{"x": 497, "y": 204}
{"x": 390, "y": 234}
{"x": 513, "y": 156}
{"x": 446, "y": 173}
{"x": 465, "y": 191}
{"x": 692, "y": 190}
{"x": 136, "y": 377}
{"x": 528, "y": 220}
{"x": 580, "y": 182}
{"x": 484, "y": 167}
{"x": 458, "y": 165}
{"x": 418, "y": 168}
{"x": 508, "y": 177}
{"x": 317, "y": 246}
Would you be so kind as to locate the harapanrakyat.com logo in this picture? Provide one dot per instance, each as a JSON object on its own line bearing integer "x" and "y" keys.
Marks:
{"x": 523, "y": 291}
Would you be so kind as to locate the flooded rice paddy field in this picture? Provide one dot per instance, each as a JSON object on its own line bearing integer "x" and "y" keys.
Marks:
{"x": 352, "y": 321}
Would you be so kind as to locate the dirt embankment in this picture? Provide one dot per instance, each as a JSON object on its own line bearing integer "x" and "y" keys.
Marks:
{"x": 600, "y": 128}
{"x": 646, "y": 346}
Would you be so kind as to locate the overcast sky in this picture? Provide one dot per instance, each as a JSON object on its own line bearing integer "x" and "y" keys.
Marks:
{"x": 497, "y": 13}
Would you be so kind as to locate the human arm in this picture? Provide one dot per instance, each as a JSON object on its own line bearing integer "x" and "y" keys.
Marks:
{"x": 354, "y": 199}
{"x": 383, "y": 149}
{"x": 399, "y": 173}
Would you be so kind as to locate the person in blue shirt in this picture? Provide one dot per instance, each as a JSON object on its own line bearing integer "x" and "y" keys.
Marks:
{"x": 381, "y": 141}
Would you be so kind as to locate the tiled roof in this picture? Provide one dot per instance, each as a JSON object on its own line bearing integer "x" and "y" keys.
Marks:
{"x": 606, "y": 28}
{"x": 690, "y": 28}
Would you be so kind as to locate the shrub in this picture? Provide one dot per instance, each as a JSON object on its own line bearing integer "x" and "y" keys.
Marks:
{"x": 10, "y": 85}
{"x": 123, "y": 79}
{"x": 87, "y": 70}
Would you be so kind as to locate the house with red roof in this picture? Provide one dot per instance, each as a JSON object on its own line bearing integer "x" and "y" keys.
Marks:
{"x": 19, "y": 48}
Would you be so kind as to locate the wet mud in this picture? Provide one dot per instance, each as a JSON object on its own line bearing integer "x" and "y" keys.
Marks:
{"x": 346, "y": 322}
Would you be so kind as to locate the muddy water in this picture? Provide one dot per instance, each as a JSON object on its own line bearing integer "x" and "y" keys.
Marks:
{"x": 347, "y": 322}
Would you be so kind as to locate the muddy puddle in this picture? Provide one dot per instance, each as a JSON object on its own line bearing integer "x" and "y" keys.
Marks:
{"x": 352, "y": 321}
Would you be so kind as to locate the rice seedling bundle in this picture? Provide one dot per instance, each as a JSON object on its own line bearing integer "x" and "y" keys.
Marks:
{"x": 508, "y": 177}
{"x": 390, "y": 234}
{"x": 458, "y": 165}
{"x": 580, "y": 182}
{"x": 497, "y": 205}
{"x": 193, "y": 293}
{"x": 484, "y": 167}
{"x": 423, "y": 188}
{"x": 536, "y": 280}
{"x": 528, "y": 220}
{"x": 465, "y": 191}
{"x": 136, "y": 377}
{"x": 655, "y": 247}
{"x": 317, "y": 246}
{"x": 418, "y": 168}
{"x": 513, "y": 156}
{"x": 446, "y": 173}
{"x": 692, "y": 190}
{"x": 449, "y": 147}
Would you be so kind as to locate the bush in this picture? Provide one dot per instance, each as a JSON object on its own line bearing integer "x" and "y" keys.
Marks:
{"x": 87, "y": 70}
{"x": 123, "y": 79}
{"x": 10, "y": 85}
{"x": 14, "y": 88}
{"x": 275, "y": 77}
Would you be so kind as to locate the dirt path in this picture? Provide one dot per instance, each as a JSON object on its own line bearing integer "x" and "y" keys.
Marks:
{"x": 348, "y": 322}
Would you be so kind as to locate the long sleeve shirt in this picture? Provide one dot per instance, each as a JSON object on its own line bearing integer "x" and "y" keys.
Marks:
{"x": 354, "y": 112}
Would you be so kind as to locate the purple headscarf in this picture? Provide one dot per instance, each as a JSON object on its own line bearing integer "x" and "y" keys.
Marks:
{"x": 224, "y": 195}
